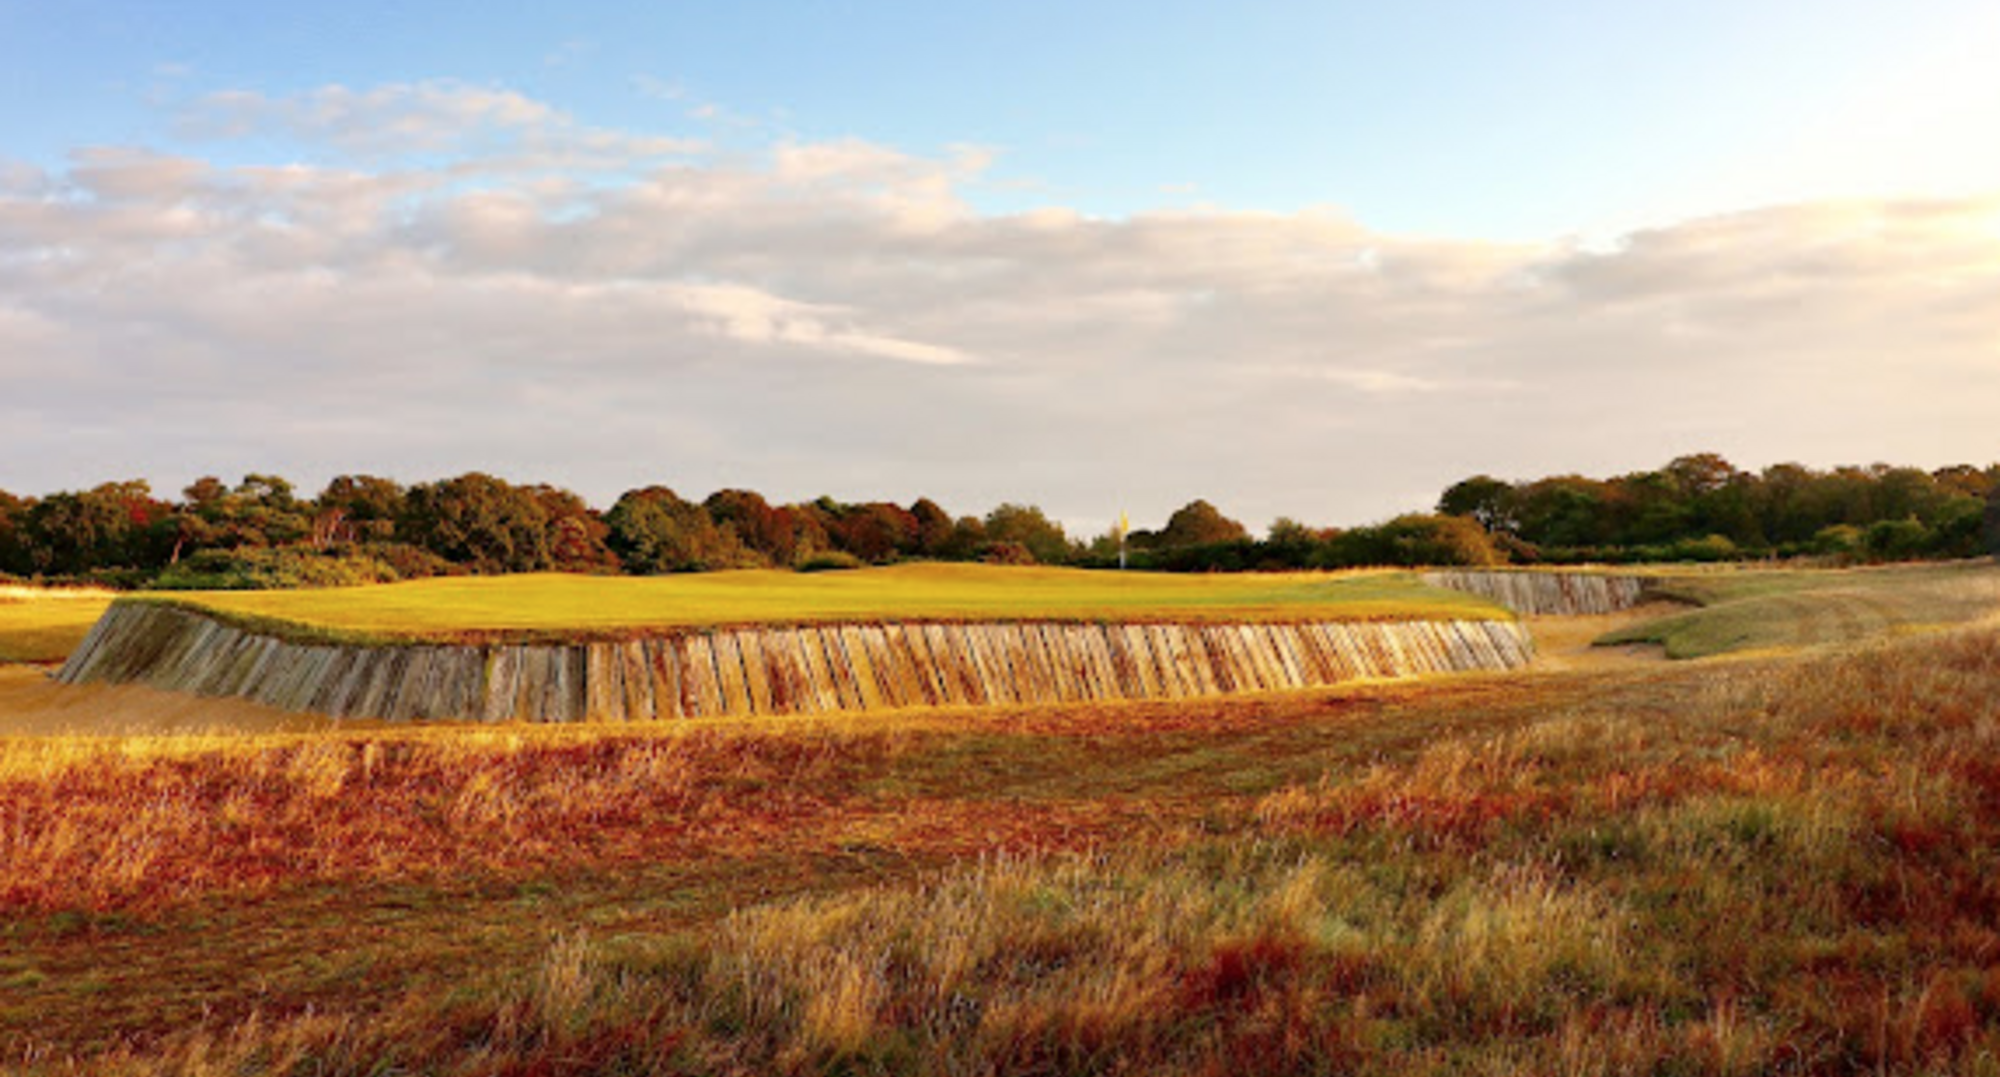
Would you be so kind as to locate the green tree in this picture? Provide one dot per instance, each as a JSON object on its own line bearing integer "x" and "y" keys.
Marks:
{"x": 357, "y": 508}
{"x": 1413, "y": 540}
{"x": 968, "y": 535}
{"x": 1567, "y": 510}
{"x": 1896, "y": 540}
{"x": 1484, "y": 498}
{"x": 1993, "y": 522}
{"x": 112, "y": 525}
{"x": 1290, "y": 543}
{"x": 1199, "y": 523}
{"x": 481, "y": 522}
{"x": 1027, "y": 527}
{"x": 13, "y": 555}
{"x": 934, "y": 528}
{"x": 653, "y": 531}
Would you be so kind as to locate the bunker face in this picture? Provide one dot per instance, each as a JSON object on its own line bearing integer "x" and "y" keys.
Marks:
{"x": 1562, "y": 594}
{"x": 811, "y": 669}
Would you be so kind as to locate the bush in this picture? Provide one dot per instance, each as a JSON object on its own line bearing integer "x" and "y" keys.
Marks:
{"x": 254, "y": 568}
{"x": 1839, "y": 541}
{"x": 1006, "y": 553}
{"x": 409, "y": 562}
{"x": 1896, "y": 540}
{"x": 1708, "y": 548}
{"x": 830, "y": 561}
{"x": 1412, "y": 540}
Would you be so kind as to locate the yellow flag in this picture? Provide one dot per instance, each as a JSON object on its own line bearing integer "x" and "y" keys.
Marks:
{"x": 1124, "y": 525}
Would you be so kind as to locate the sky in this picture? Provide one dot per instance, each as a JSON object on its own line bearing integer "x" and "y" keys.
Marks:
{"x": 1317, "y": 260}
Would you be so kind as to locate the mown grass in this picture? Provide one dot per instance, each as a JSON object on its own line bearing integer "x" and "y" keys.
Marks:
{"x": 45, "y": 624}
{"x": 1754, "y": 610}
{"x": 553, "y": 605}
{"x": 1779, "y": 865}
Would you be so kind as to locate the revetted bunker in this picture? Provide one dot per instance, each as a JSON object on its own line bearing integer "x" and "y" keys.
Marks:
{"x": 1547, "y": 593}
{"x": 815, "y": 669}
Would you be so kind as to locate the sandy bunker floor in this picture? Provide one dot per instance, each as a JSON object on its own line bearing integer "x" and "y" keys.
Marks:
{"x": 33, "y": 704}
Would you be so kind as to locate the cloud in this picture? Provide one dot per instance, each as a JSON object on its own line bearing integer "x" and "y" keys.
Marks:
{"x": 832, "y": 317}
{"x": 507, "y": 130}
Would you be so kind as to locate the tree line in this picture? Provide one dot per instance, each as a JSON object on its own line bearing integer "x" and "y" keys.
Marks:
{"x": 260, "y": 532}
{"x": 1702, "y": 507}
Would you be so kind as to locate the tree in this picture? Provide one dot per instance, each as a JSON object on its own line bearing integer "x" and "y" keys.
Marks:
{"x": 479, "y": 521}
{"x": 1484, "y": 498}
{"x": 1967, "y": 480}
{"x": 260, "y": 512}
{"x": 1199, "y": 523}
{"x": 876, "y": 531}
{"x": 1413, "y": 540}
{"x": 968, "y": 535}
{"x": 654, "y": 531}
{"x": 13, "y": 556}
{"x": 934, "y": 527}
{"x": 357, "y": 508}
{"x": 771, "y": 533}
{"x": 204, "y": 491}
{"x": 1700, "y": 473}
{"x": 1896, "y": 540}
{"x": 1568, "y": 510}
{"x": 1290, "y": 543}
{"x": 1993, "y": 522}
{"x": 113, "y": 525}
{"x": 576, "y": 535}
{"x": 1026, "y": 526}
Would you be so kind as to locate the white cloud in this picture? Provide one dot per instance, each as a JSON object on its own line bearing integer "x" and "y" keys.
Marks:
{"x": 834, "y": 318}
{"x": 507, "y": 129}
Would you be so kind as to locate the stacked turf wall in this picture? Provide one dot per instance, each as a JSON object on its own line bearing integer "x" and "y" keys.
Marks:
{"x": 1547, "y": 593}
{"x": 803, "y": 670}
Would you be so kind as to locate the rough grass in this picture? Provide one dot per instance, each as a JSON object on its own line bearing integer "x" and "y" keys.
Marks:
{"x": 1754, "y": 610}
{"x": 45, "y": 624}
{"x": 552, "y": 605}
{"x": 1780, "y": 865}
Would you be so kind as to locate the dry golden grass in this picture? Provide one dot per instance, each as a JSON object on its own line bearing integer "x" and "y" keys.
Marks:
{"x": 1764, "y": 866}
{"x": 1749, "y": 611}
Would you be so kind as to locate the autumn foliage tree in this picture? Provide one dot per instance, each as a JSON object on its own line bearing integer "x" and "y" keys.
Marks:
{"x": 654, "y": 531}
{"x": 481, "y": 522}
{"x": 1198, "y": 523}
{"x": 1027, "y": 527}
{"x": 110, "y": 526}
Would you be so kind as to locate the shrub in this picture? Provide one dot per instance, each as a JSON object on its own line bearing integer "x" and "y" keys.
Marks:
{"x": 409, "y": 562}
{"x": 1006, "y": 553}
{"x": 1896, "y": 540}
{"x": 830, "y": 561}
{"x": 1412, "y": 540}
{"x": 1839, "y": 541}
{"x": 256, "y": 569}
{"x": 1708, "y": 548}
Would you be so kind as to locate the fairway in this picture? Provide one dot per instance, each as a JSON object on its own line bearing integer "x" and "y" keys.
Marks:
{"x": 1758, "y": 610}
{"x": 551, "y": 606}
{"x": 42, "y": 625}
